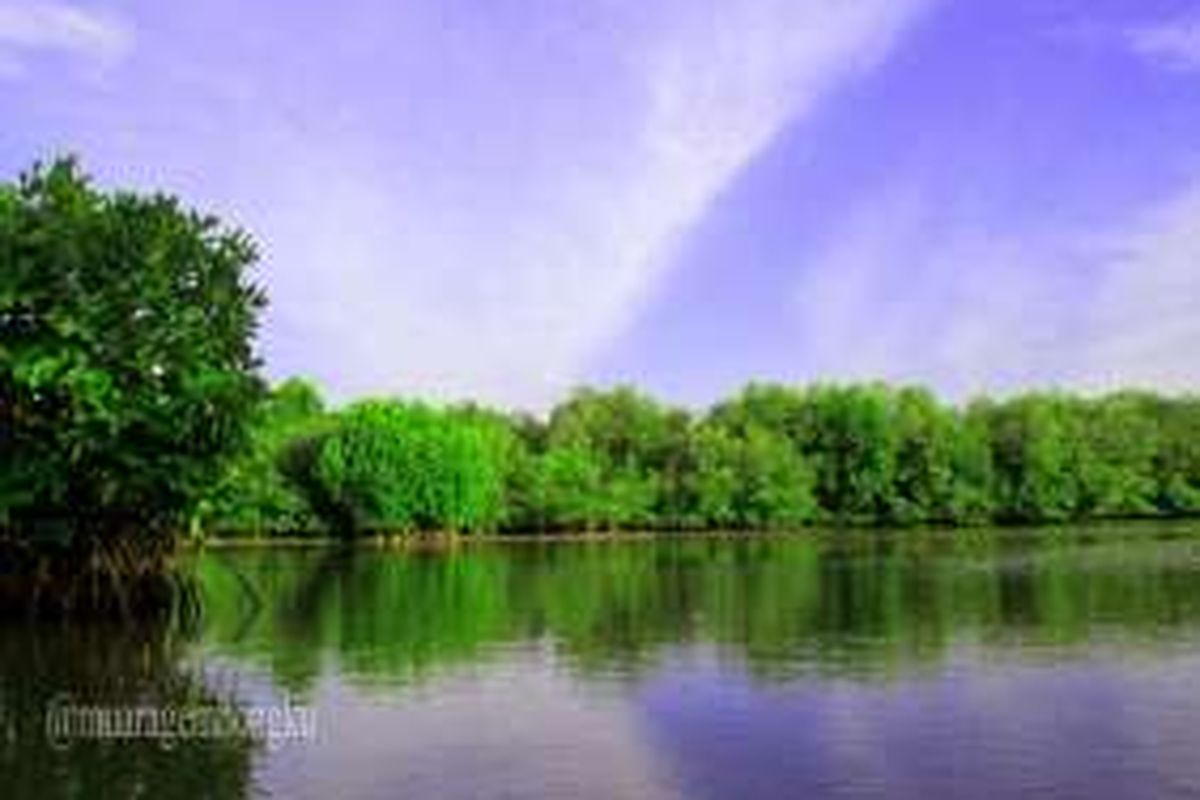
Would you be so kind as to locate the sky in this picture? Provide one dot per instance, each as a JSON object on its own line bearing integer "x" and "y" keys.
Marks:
{"x": 503, "y": 199}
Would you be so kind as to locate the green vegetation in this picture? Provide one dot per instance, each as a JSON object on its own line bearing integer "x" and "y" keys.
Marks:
{"x": 126, "y": 380}
{"x": 257, "y": 491}
{"x": 407, "y": 467}
{"x": 772, "y": 457}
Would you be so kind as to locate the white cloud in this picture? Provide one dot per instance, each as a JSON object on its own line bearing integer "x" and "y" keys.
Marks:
{"x": 509, "y": 298}
{"x": 1174, "y": 44}
{"x": 901, "y": 297}
{"x": 838, "y": 306}
{"x": 1144, "y": 328}
{"x": 453, "y": 207}
{"x": 31, "y": 26}
{"x": 903, "y": 293}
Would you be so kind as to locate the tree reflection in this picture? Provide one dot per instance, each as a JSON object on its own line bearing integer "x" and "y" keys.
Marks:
{"x": 868, "y": 606}
{"x": 46, "y": 667}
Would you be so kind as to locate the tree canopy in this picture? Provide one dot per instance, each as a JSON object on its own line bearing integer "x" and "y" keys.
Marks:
{"x": 770, "y": 457}
{"x": 127, "y": 370}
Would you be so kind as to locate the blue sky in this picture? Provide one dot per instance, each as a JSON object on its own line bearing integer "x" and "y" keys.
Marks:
{"x": 503, "y": 199}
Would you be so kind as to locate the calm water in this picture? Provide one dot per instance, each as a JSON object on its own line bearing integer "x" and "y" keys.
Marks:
{"x": 920, "y": 666}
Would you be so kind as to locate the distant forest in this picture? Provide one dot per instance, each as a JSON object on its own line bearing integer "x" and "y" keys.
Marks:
{"x": 771, "y": 457}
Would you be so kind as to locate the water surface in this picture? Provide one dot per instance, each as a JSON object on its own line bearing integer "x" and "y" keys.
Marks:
{"x": 909, "y": 665}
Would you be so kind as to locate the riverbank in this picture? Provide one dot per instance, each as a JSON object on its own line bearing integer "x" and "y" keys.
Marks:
{"x": 1130, "y": 528}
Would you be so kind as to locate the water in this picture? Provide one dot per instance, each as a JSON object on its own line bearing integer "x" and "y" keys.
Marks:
{"x": 907, "y": 665}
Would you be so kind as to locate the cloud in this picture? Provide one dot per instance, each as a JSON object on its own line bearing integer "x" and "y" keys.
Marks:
{"x": 905, "y": 292}
{"x": 1143, "y": 329}
{"x": 975, "y": 311}
{"x": 29, "y": 27}
{"x": 455, "y": 202}
{"x": 499, "y": 268}
{"x": 1174, "y": 44}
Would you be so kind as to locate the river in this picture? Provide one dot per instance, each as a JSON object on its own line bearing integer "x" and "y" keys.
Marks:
{"x": 903, "y": 665}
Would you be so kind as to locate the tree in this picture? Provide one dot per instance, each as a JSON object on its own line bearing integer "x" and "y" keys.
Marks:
{"x": 973, "y": 498}
{"x": 924, "y": 473}
{"x": 1119, "y": 438}
{"x": 1033, "y": 443}
{"x": 127, "y": 372}
{"x": 264, "y": 489}
{"x": 410, "y": 467}
{"x": 631, "y": 443}
{"x": 714, "y": 479}
{"x": 749, "y": 477}
{"x": 776, "y": 485}
{"x": 849, "y": 436}
{"x": 567, "y": 487}
{"x": 1177, "y": 457}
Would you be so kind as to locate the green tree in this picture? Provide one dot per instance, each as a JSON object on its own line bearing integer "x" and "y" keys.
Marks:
{"x": 260, "y": 491}
{"x": 410, "y": 467}
{"x": 849, "y": 436}
{"x": 1033, "y": 442}
{"x": 749, "y": 477}
{"x": 973, "y": 483}
{"x": 776, "y": 486}
{"x": 127, "y": 373}
{"x": 926, "y": 436}
{"x": 1177, "y": 457}
{"x": 568, "y": 483}
{"x": 714, "y": 478}
{"x": 1119, "y": 440}
{"x": 632, "y": 445}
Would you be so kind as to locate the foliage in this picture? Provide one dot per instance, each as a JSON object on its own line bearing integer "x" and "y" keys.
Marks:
{"x": 770, "y": 457}
{"x": 606, "y": 460}
{"x": 127, "y": 374}
{"x": 408, "y": 466}
{"x": 263, "y": 489}
{"x": 749, "y": 478}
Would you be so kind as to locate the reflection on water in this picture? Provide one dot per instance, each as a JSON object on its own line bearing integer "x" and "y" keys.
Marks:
{"x": 908, "y": 666}
{"x": 51, "y": 670}
{"x": 870, "y": 607}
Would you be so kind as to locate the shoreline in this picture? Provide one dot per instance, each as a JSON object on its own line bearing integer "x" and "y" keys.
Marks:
{"x": 1130, "y": 527}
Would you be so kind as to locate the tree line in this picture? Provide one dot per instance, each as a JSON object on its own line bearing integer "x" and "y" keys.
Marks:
{"x": 770, "y": 457}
